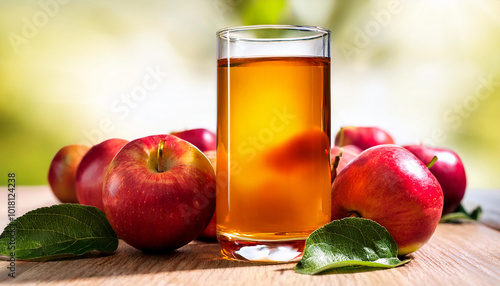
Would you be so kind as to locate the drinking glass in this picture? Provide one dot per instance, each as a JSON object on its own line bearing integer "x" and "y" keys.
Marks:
{"x": 273, "y": 140}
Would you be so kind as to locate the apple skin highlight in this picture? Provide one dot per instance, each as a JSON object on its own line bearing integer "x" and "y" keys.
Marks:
{"x": 391, "y": 186}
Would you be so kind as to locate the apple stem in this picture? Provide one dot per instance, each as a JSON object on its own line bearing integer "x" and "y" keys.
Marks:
{"x": 341, "y": 141}
{"x": 159, "y": 155}
{"x": 336, "y": 164}
{"x": 434, "y": 159}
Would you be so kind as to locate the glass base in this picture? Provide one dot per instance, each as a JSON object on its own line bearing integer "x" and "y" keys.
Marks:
{"x": 273, "y": 251}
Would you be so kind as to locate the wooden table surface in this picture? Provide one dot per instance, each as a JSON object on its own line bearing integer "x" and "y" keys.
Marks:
{"x": 457, "y": 254}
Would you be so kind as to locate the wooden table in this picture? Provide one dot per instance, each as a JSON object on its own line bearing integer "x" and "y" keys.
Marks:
{"x": 457, "y": 254}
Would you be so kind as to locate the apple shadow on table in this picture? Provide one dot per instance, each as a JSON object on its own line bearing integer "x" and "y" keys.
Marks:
{"x": 127, "y": 261}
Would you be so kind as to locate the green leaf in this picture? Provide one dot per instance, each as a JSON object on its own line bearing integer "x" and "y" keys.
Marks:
{"x": 349, "y": 243}
{"x": 58, "y": 231}
{"x": 462, "y": 214}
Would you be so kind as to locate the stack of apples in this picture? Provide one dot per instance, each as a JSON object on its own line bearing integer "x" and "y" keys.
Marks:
{"x": 158, "y": 192}
{"x": 397, "y": 186}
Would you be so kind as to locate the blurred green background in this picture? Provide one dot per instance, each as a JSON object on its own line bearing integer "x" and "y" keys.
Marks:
{"x": 74, "y": 71}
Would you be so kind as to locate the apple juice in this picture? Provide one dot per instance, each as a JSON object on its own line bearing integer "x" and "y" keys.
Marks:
{"x": 273, "y": 146}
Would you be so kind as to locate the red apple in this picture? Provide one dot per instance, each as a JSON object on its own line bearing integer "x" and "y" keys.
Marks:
{"x": 91, "y": 171}
{"x": 203, "y": 139}
{"x": 363, "y": 137}
{"x": 349, "y": 152}
{"x": 159, "y": 193}
{"x": 391, "y": 186}
{"x": 448, "y": 170}
{"x": 62, "y": 172}
{"x": 210, "y": 232}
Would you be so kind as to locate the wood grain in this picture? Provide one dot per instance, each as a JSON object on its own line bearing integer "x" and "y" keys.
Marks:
{"x": 457, "y": 254}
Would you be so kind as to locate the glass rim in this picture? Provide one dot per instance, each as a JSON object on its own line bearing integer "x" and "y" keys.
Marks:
{"x": 318, "y": 33}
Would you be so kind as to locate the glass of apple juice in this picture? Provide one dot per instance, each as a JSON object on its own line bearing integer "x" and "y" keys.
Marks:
{"x": 273, "y": 140}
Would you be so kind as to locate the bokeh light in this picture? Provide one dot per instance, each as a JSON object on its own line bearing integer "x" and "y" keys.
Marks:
{"x": 84, "y": 71}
